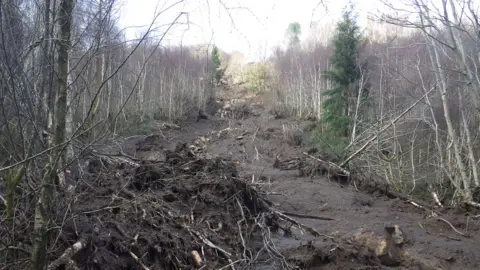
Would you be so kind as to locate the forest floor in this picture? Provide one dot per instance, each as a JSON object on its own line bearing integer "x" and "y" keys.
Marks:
{"x": 338, "y": 226}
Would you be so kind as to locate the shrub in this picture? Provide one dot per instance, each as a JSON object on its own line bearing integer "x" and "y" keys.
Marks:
{"x": 255, "y": 77}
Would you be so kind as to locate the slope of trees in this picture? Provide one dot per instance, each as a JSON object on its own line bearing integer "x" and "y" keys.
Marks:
{"x": 431, "y": 150}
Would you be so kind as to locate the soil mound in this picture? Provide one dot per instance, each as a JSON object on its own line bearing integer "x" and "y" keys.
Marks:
{"x": 180, "y": 213}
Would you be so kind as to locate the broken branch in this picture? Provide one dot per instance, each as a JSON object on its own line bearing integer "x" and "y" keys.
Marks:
{"x": 307, "y": 216}
{"x": 208, "y": 242}
{"x": 135, "y": 257}
{"x": 365, "y": 146}
{"x": 68, "y": 254}
{"x": 329, "y": 164}
{"x": 303, "y": 226}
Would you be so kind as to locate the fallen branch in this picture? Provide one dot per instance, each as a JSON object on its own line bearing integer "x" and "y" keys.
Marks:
{"x": 385, "y": 128}
{"x": 422, "y": 207}
{"x": 436, "y": 215}
{"x": 170, "y": 125}
{"x": 307, "y": 216}
{"x": 451, "y": 226}
{"x": 68, "y": 254}
{"x": 329, "y": 164}
{"x": 302, "y": 226}
{"x": 435, "y": 197}
{"x": 208, "y": 242}
{"x": 474, "y": 204}
{"x": 135, "y": 257}
{"x": 230, "y": 264}
{"x": 3, "y": 200}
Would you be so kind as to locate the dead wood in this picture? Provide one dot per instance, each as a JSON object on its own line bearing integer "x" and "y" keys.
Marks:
{"x": 330, "y": 165}
{"x": 451, "y": 226}
{"x": 310, "y": 230}
{"x": 307, "y": 216}
{"x": 67, "y": 255}
{"x": 153, "y": 214}
{"x": 372, "y": 138}
{"x": 135, "y": 257}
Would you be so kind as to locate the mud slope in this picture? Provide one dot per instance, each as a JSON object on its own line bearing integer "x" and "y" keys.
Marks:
{"x": 248, "y": 134}
{"x": 244, "y": 131}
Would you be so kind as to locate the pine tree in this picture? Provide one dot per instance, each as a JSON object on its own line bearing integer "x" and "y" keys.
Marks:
{"x": 216, "y": 62}
{"x": 293, "y": 33}
{"x": 343, "y": 73}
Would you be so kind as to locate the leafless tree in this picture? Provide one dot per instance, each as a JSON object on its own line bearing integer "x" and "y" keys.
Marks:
{"x": 70, "y": 80}
{"x": 431, "y": 150}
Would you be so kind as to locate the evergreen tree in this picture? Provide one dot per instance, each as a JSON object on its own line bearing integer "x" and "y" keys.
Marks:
{"x": 216, "y": 62}
{"x": 344, "y": 72}
{"x": 294, "y": 31}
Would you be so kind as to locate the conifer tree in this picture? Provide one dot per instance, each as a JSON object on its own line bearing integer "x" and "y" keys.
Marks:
{"x": 344, "y": 72}
{"x": 216, "y": 62}
{"x": 293, "y": 33}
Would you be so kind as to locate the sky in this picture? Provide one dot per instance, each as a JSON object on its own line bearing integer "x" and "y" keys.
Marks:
{"x": 252, "y": 27}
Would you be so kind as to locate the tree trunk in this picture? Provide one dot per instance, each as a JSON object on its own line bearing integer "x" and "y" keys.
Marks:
{"x": 43, "y": 213}
{"x": 44, "y": 106}
{"x": 446, "y": 111}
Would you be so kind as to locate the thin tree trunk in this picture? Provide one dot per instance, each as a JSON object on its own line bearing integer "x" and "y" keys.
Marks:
{"x": 471, "y": 154}
{"x": 43, "y": 214}
{"x": 45, "y": 89}
{"x": 446, "y": 111}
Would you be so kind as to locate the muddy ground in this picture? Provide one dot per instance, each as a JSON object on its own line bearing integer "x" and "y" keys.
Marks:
{"x": 192, "y": 181}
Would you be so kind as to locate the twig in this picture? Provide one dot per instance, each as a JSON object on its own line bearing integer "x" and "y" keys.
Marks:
{"x": 435, "y": 197}
{"x": 307, "y": 216}
{"x": 68, "y": 254}
{"x": 451, "y": 226}
{"x": 240, "y": 227}
{"x": 257, "y": 154}
{"x": 170, "y": 125}
{"x": 3, "y": 200}
{"x": 441, "y": 234}
{"x": 100, "y": 209}
{"x": 275, "y": 193}
{"x": 138, "y": 260}
{"x": 208, "y": 242}
{"x": 47, "y": 150}
{"x": 230, "y": 264}
{"x": 436, "y": 215}
{"x": 422, "y": 207}
{"x": 305, "y": 227}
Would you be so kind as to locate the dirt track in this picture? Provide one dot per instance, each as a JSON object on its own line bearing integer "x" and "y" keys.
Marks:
{"x": 258, "y": 139}
{"x": 226, "y": 179}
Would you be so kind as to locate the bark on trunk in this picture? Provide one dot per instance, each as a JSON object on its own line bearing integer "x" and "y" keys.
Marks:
{"x": 43, "y": 206}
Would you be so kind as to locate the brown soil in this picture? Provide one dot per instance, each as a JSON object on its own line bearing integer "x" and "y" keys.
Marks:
{"x": 227, "y": 179}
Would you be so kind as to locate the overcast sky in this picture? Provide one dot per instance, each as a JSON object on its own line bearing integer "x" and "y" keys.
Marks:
{"x": 253, "y": 26}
